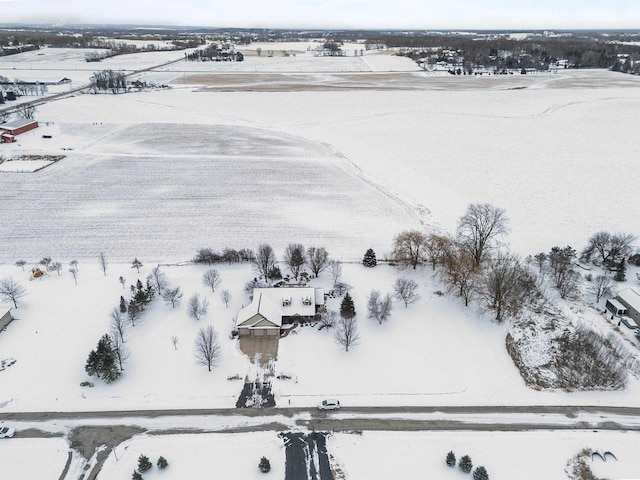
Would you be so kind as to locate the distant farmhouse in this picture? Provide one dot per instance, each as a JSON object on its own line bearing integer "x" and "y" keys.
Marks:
{"x": 272, "y": 308}
{"x": 9, "y": 130}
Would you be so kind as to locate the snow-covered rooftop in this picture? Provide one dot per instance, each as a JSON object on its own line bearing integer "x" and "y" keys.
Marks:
{"x": 631, "y": 298}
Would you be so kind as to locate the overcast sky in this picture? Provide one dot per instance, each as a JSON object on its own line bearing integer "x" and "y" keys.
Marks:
{"x": 348, "y": 14}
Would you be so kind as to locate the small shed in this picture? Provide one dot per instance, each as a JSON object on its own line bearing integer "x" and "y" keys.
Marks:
{"x": 7, "y": 138}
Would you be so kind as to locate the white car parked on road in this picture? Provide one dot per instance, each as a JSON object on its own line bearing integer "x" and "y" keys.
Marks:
{"x": 330, "y": 404}
{"x": 6, "y": 432}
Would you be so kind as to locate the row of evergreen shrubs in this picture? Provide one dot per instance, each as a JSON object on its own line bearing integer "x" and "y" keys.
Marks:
{"x": 144, "y": 465}
{"x": 465, "y": 464}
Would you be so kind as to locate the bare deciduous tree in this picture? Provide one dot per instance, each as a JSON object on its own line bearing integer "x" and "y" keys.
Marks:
{"x": 479, "y": 227}
{"x": 174, "y": 342}
{"x": 409, "y": 249}
{"x": 226, "y": 297}
{"x": 317, "y": 259}
{"x": 103, "y": 262}
{"x": 172, "y": 296}
{"x": 460, "y": 273}
{"x": 335, "y": 268}
{"x": 74, "y": 273}
{"x": 540, "y": 259}
{"x": 207, "y": 347}
{"x": 406, "y": 290}
{"x": 74, "y": 263}
{"x": 136, "y": 264}
{"x": 11, "y": 291}
{"x": 21, "y": 264}
{"x": 346, "y": 332}
{"x": 134, "y": 311}
{"x": 158, "y": 280}
{"x": 565, "y": 277}
{"x": 294, "y": 258}
{"x": 264, "y": 259}
{"x": 197, "y": 308}
{"x": 506, "y": 286}
{"x": 55, "y": 267}
{"x": 26, "y": 111}
{"x": 119, "y": 348}
{"x": 379, "y": 308}
{"x": 118, "y": 322}
{"x": 122, "y": 281}
{"x": 601, "y": 286}
{"x": 436, "y": 248}
{"x": 212, "y": 278}
{"x": 607, "y": 248}
{"x": 328, "y": 319}
{"x": 45, "y": 262}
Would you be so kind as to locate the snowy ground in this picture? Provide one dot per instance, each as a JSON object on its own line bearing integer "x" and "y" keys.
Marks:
{"x": 435, "y": 352}
{"x": 407, "y": 455}
{"x": 517, "y": 456}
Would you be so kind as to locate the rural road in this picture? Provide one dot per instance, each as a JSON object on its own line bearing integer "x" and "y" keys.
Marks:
{"x": 49, "y": 98}
{"x": 89, "y": 431}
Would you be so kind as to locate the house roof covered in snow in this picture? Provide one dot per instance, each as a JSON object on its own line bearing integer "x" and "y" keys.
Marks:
{"x": 294, "y": 300}
{"x": 274, "y": 303}
{"x": 631, "y": 298}
{"x": 257, "y": 311}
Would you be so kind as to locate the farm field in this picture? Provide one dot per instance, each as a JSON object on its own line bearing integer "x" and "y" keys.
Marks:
{"x": 343, "y": 153}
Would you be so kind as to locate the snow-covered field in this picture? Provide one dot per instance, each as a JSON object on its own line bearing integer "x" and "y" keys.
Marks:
{"x": 158, "y": 174}
{"x": 407, "y": 455}
{"x": 516, "y": 456}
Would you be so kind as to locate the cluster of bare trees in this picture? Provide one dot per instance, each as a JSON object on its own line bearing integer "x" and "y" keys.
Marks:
{"x": 472, "y": 264}
{"x": 227, "y": 255}
{"x": 609, "y": 251}
{"x": 606, "y": 249}
{"x": 108, "y": 80}
{"x": 295, "y": 258}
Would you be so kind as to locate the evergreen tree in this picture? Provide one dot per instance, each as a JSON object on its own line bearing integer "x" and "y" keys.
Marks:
{"x": 369, "y": 259}
{"x": 480, "y": 473}
{"x": 93, "y": 364}
{"x": 123, "y": 305}
{"x": 136, "y": 476}
{"x": 451, "y": 459}
{"x": 162, "y": 463}
{"x": 141, "y": 295}
{"x": 144, "y": 464}
{"x": 347, "y": 309}
{"x": 465, "y": 464}
{"x": 103, "y": 361}
{"x": 264, "y": 465}
{"x": 275, "y": 273}
{"x": 136, "y": 264}
{"x": 621, "y": 271}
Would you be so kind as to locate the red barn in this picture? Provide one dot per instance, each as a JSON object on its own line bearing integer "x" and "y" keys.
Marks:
{"x": 18, "y": 126}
